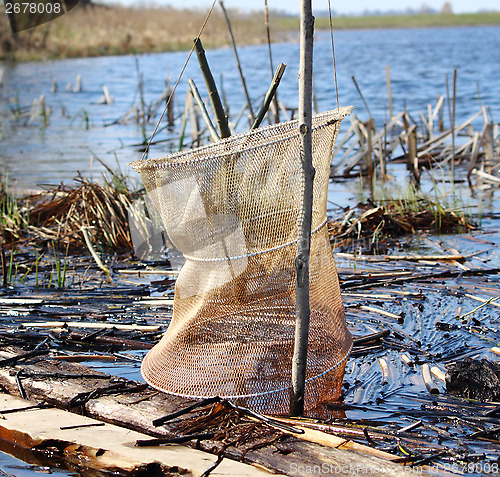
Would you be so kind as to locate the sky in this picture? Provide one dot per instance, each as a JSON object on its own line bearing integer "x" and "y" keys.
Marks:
{"x": 340, "y": 6}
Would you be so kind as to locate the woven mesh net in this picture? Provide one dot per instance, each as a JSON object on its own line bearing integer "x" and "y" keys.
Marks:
{"x": 232, "y": 208}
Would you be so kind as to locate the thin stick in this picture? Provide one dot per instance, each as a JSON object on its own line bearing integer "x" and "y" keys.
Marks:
{"x": 220, "y": 115}
{"x": 361, "y": 95}
{"x": 177, "y": 82}
{"x": 380, "y": 311}
{"x": 90, "y": 326}
{"x": 94, "y": 254}
{"x": 333, "y": 54}
{"x": 242, "y": 77}
{"x": 266, "y": 19}
{"x": 311, "y": 434}
{"x": 389, "y": 90}
{"x": 193, "y": 121}
{"x": 453, "y": 123}
{"x": 302, "y": 305}
{"x": 184, "y": 121}
{"x": 482, "y": 300}
{"x": 487, "y": 302}
{"x": 275, "y": 99}
{"x": 451, "y": 112}
{"x": 412, "y": 258}
{"x": 5, "y": 282}
{"x": 204, "y": 113}
{"x": 269, "y": 95}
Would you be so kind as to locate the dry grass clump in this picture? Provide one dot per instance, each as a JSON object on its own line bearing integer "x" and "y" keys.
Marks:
{"x": 396, "y": 217}
{"x": 58, "y": 215}
{"x": 98, "y": 30}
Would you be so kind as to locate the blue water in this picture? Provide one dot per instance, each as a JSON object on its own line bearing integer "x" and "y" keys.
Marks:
{"x": 420, "y": 61}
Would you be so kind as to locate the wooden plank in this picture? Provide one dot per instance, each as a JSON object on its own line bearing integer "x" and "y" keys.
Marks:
{"x": 89, "y": 443}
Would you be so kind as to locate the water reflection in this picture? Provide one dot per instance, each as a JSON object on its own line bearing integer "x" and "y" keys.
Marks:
{"x": 80, "y": 129}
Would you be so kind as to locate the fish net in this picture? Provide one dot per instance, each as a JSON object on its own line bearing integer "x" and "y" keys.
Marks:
{"x": 232, "y": 209}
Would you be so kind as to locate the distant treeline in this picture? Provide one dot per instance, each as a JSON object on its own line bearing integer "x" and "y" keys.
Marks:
{"x": 96, "y": 30}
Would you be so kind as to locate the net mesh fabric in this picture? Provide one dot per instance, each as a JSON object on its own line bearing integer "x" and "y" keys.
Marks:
{"x": 232, "y": 209}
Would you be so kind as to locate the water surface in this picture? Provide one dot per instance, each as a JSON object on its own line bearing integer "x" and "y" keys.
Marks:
{"x": 80, "y": 129}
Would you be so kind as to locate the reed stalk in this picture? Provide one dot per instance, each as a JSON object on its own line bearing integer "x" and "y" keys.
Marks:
{"x": 220, "y": 115}
{"x": 238, "y": 64}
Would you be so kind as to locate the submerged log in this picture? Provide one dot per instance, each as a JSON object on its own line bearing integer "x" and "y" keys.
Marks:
{"x": 132, "y": 405}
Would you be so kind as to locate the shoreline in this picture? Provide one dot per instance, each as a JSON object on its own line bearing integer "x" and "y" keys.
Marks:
{"x": 102, "y": 31}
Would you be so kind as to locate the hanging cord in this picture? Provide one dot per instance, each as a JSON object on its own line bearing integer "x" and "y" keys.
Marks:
{"x": 333, "y": 53}
{"x": 178, "y": 81}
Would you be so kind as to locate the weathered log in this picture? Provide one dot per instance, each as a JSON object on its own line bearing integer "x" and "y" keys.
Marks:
{"x": 108, "y": 449}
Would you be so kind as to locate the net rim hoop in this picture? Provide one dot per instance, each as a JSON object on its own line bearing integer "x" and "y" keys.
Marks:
{"x": 173, "y": 160}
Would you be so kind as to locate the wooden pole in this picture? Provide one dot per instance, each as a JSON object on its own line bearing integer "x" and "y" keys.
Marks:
{"x": 302, "y": 306}
{"x": 270, "y": 95}
{"x": 238, "y": 64}
{"x": 212, "y": 91}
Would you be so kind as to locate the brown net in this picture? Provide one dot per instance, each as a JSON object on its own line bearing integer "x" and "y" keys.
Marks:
{"x": 231, "y": 208}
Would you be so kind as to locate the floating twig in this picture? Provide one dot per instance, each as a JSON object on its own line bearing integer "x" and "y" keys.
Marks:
{"x": 429, "y": 383}
{"x": 487, "y": 302}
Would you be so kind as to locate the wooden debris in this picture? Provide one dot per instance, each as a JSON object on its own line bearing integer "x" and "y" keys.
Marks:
{"x": 109, "y": 448}
{"x": 113, "y": 405}
{"x": 438, "y": 373}
{"x": 93, "y": 326}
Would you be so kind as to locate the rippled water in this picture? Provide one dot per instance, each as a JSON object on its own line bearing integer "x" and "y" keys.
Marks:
{"x": 420, "y": 60}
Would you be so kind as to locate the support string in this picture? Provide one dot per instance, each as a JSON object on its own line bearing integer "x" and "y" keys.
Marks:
{"x": 178, "y": 81}
{"x": 333, "y": 53}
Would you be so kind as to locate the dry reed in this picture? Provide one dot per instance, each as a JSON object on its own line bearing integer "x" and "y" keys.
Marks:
{"x": 97, "y": 30}
{"x": 395, "y": 218}
{"x": 58, "y": 215}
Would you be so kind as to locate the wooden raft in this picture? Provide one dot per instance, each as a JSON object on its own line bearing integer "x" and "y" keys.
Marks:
{"x": 225, "y": 433}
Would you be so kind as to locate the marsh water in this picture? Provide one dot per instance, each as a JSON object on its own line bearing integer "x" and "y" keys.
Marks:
{"x": 73, "y": 130}
{"x": 47, "y": 146}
